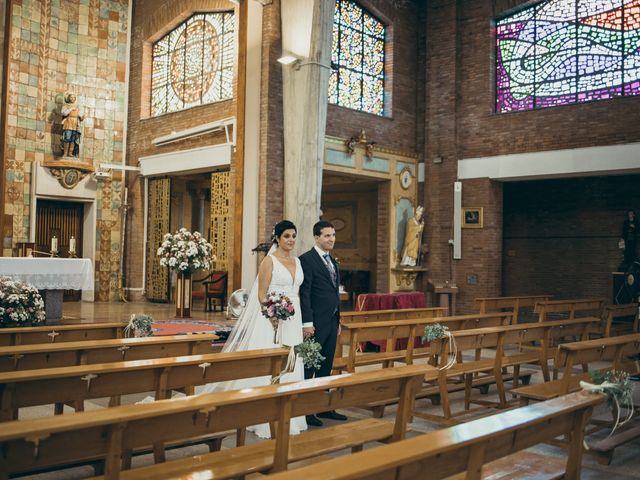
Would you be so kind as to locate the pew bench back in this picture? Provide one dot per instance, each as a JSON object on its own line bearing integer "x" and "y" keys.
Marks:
{"x": 65, "y": 354}
{"x": 109, "y": 434}
{"x": 60, "y": 333}
{"x": 467, "y": 447}
{"x": 493, "y": 304}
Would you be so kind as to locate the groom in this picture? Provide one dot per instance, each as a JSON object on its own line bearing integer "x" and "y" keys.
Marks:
{"x": 320, "y": 304}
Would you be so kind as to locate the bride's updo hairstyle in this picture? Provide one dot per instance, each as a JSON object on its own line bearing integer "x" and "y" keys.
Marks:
{"x": 280, "y": 228}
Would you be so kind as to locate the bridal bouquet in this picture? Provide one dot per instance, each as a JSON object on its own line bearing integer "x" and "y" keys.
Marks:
{"x": 20, "y": 304}
{"x": 277, "y": 307}
{"x": 185, "y": 252}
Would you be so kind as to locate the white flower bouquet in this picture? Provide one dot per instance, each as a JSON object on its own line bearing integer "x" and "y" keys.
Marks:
{"x": 185, "y": 252}
{"x": 20, "y": 304}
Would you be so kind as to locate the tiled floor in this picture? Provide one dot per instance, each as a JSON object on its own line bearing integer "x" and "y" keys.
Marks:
{"x": 625, "y": 464}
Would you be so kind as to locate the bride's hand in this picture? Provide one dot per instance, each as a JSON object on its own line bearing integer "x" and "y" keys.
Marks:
{"x": 274, "y": 322}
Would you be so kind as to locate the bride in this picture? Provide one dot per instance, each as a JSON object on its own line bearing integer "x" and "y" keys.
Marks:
{"x": 279, "y": 272}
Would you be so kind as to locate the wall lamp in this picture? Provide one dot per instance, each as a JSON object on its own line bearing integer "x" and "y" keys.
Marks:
{"x": 290, "y": 59}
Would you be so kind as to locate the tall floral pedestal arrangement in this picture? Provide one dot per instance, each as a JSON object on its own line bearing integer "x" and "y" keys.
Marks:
{"x": 185, "y": 252}
{"x": 183, "y": 295}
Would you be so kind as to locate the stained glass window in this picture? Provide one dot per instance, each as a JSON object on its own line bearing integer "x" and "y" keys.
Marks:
{"x": 193, "y": 64}
{"x": 357, "y": 59}
{"x": 567, "y": 51}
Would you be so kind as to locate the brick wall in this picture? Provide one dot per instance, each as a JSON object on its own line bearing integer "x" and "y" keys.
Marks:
{"x": 397, "y": 129}
{"x": 554, "y": 245}
{"x": 151, "y": 20}
{"x": 460, "y": 123}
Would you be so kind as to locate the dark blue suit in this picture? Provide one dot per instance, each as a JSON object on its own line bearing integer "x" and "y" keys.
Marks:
{"x": 320, "y": 304}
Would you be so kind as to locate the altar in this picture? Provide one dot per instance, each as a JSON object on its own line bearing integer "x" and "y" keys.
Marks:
{"x": 51, "y": 276}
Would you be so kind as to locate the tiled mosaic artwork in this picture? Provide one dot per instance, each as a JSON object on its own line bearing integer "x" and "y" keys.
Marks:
{"x": 59, "y": 46}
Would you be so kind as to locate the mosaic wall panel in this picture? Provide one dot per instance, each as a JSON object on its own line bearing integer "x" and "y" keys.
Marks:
{"x": 159, "y": 223}
{"x": 220, "y": 195}
{"x": 58, "y": 46}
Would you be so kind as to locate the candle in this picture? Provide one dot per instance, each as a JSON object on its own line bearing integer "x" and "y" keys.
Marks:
{"x": 72, "y": 245}
{"x": 54, "y": 244}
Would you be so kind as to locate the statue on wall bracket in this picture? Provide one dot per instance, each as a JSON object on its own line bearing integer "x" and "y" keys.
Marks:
{"x": 69, "y": 170}
{"x": 412, "y": 239}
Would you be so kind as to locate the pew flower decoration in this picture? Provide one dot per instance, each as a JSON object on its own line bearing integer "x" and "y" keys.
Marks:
{"x": 435, "y": 332}
{"x": 309, "y": 352}
{"x": 185, "y": 252}
{"x": 618, "y": 388}
{"x": 20, "y": 304}
{"x": 139, "y": 326}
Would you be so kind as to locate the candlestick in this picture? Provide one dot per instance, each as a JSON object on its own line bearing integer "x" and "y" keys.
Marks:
{"x": 54, "y": 245}
{"x": 72, "y": 247}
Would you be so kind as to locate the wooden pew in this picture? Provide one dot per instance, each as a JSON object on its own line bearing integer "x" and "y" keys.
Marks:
{"x": 66, "y": 354}
{"x": 514, "y": 304}
{"x": 612, "y": 323}
{"x": 613, "y": 350}
{"x": 466, "y": 448}
{"x": 354, "y": 334}
{"x": 74, "y": 385}
{"x": 111, "y": 435}
{"x": 569, "y": 308}
{"x": 489, "y": 370}
{"x": 60, "y": 333}
{"x": 390, "y": 315}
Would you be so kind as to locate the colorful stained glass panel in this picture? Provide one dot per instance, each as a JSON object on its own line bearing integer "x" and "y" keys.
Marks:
{"x": 193, "y": 64}
{"x": 567, "y": 51}
{"x": 357, "y": 56}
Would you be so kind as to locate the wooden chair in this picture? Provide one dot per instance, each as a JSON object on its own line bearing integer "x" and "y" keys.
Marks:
{"x": 214, "y": 287}
{"x": 469, "y": 447}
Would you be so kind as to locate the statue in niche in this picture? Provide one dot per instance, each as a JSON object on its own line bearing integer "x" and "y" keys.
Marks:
{"x": 71, "y": 119}
{"x": 412, "y": 237}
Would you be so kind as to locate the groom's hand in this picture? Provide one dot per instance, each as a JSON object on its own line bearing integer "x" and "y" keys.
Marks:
{"x": 308, "y": 332}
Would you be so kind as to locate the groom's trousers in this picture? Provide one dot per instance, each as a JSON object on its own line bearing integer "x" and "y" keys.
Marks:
{"x": 327, "y": 338}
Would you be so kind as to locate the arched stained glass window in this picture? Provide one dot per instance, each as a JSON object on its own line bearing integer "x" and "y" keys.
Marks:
{"x": 193, "y": 64}
{"x": 567, "y": 51}
{"x": 357, "y": 59}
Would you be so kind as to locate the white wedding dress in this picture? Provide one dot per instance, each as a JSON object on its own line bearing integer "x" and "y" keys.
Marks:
{"x": 253, "y": 331}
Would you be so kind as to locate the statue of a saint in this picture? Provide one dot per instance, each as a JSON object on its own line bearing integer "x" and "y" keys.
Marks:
{"x": 71, "y": 119}
{"x": 412, "y": 237}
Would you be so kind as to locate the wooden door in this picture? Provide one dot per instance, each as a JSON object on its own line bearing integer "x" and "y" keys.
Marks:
{"x": 64, "y": 220}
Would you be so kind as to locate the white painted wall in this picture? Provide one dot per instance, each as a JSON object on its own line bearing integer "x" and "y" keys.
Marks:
{"x": 605, "y": 160}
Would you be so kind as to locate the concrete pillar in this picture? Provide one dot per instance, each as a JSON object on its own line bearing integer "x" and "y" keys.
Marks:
{"x": 306, "y": 34}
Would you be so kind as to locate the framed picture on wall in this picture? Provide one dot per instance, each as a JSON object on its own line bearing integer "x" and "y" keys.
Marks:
{"x": 472, "y": 217}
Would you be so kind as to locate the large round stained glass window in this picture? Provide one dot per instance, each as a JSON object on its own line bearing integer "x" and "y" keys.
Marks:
{"x": 193, "y": 64}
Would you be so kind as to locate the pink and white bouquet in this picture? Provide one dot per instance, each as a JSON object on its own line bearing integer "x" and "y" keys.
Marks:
{"x": 185, "y": 252}
{"x": 276, "y": 307}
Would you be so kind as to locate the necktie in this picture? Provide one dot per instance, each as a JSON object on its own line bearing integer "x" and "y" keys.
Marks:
{"x": 330, "y": 267}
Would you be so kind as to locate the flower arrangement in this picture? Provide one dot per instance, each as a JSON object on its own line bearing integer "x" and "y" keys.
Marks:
{"x": 276, "y": 307}
{"x": 618, "y": 388}
{"x": 139, "y": 326}
{"x": 20, "y": 304}
{"x": 185, "y": 252}
{"x": 436, "y": 332}
{"x": 309, "y": 351}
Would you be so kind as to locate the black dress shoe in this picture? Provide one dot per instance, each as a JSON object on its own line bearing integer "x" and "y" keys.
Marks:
{"x": 333, "y": 415}
{"x": 314, "y": 421}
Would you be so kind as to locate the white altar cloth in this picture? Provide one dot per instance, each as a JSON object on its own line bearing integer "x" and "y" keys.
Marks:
{"x": 50, "y": 273}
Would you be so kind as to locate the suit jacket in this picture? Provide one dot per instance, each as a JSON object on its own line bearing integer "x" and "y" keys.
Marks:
{"x": 319, "y": 298}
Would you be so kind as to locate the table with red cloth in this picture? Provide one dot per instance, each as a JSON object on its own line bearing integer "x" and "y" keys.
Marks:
{"x": 391, "y": 301}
